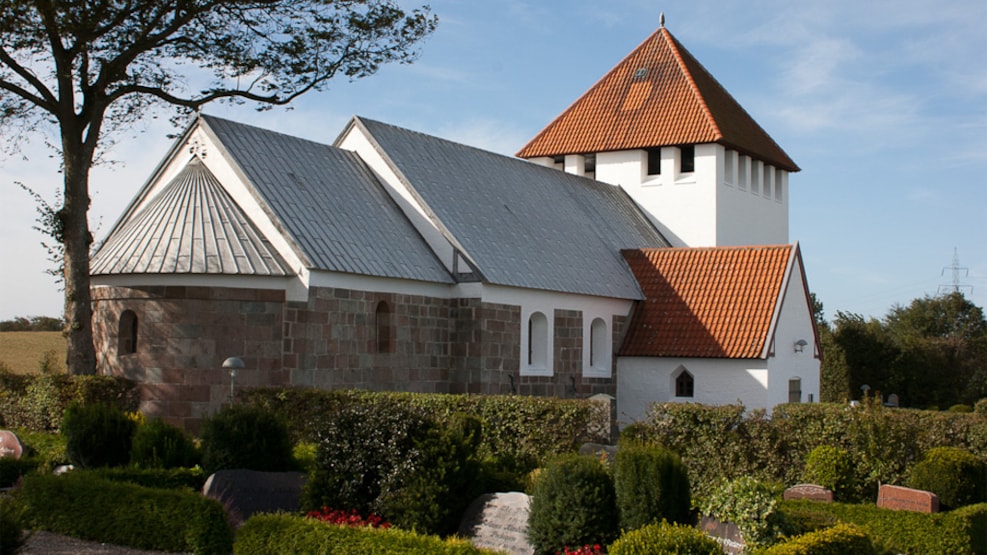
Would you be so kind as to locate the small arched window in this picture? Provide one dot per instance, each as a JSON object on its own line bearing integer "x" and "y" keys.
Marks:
{"x": 599, "y": 346}
{"x": 384, "y": 328}
{"x": 127, "y": 333}
{"x": 685, "y": 384}
{"x": 538, "y": 341}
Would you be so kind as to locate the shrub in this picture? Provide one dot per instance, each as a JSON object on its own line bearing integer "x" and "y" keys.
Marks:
{"x": 157, "y": 444}
{"x": 662, "y": 538}
{"x": 12, "y": 537}
{"x": 38, "y": 402}
{"x": 245, "y": 437}
{"x": 959, "y": 532}
{"x": 160, "y": 478}
{"x": 838, "y": 540}
{"x": 749, "y": 504}
{"x": 960, "y": 408}
{"x": 980, "y": 407}
{"x": 651, "y": 484}
{"x": 573, "y": 503}
{"x": 80, "y": 505}
{"x": 832, "y": 468}
{"x": 957, "y": 476}
{"x": 97, "y": 435}
{"x": 386, "y": 459}
{"x": 12, "y": 469}
{"x": 282, "y": 534}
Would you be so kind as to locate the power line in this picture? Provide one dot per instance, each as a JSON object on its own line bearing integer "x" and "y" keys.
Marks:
{"x": 955, "y": 286}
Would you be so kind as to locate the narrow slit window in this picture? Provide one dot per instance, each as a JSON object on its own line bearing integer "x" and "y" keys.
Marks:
{"x": 688, "y": 159}
{"x": 385, "y": 328}
{"x": 127, "y": 334}
{"x": 538, "y": 341}
{"x": 654, "y": 161}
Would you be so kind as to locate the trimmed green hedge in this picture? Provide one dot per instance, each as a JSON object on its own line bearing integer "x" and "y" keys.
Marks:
{"x": 37, "y": 402}
{"x": 518, "y": 431}
{"x": 725, "y": 442}
{"x": 838, "y": 540}
{"x": 959, "y": 532}
{"x": 81, "y": 505}
{"x": 159, "y": 478}
{"x": 665, "y": 538}
{"x": 287, "y": 534}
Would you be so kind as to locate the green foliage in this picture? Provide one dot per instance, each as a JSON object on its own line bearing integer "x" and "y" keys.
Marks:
{"x": 160, "y": 478}
{"x": 959, "y": 532}
{"x": 960, "y": 408}
{"x": 97, "y": 435}
{"x": 752, "y": 506}
{"x": 980, "y": 407}
{"x": 38, "y": 402}
{"x": 388, "y": 459}
{"x": 81, "y": 505}
{"x": 12, "y": 537}
{"x": 158, "y": 444}
{"x": 245, "y": 437}
{"x": 47, "y": 449}
{"x": 12, "y": 469}
{"x": 573, "y": 504}
{"x": 283, "y": 534}
{"x": 957, "y": 476}
{"x": 832, "y": 468}
{"x": 838, "y": 540}
{"x": 651, "y": 485}
{"x": 665, "y": 539}
{"x": 518, "y": 432}
{"x": 32, "y": 323}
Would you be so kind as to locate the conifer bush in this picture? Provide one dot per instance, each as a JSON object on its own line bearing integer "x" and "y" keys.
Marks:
{"x": 664, "y": 538}
{"x": 831, "y": 468}
{"x": 957, "y": 476}
{"x": 12, "y": 537}
{"x": 246, "y": 437}
{"x": 651, "y": 485}
{"x": 97, "y": 435}
{"x": 157, "y": 444}
{"x": 573, "y": 503}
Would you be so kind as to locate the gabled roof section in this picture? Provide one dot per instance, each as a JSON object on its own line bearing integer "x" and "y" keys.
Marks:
{"x": 659, "y": 95}
{"x": 328, "y": 204}
{"x": 192, "y": 227}
{"x": 521, "y": 224}
{"x": 718, "y": 302}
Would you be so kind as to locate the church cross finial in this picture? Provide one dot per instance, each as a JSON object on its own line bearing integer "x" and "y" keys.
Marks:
{"x": 661, "y": 19}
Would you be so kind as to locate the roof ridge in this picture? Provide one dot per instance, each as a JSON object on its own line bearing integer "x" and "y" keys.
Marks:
{"x": 674, "y": 47}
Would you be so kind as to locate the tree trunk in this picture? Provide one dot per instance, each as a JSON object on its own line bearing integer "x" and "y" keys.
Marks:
{"x": 81, "y": 358}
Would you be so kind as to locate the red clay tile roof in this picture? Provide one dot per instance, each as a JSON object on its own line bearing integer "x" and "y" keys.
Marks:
{"x": 716, "y": 302}
{"x": 676, "y": 101}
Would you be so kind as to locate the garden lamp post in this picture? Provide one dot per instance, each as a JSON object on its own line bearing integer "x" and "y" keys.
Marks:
{"x": 233, "y": 364}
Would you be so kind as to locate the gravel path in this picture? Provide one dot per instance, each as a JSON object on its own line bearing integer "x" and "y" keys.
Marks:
{"x": 47, "y": 543}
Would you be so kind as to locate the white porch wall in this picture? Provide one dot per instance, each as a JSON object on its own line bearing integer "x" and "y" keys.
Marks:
{"x": 643, "y": 381}
{"x": 794, "y": 323}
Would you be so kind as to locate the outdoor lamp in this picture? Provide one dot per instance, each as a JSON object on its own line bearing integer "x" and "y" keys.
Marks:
{"x": 234, "y": 364}
{"x": 800, "y": 345}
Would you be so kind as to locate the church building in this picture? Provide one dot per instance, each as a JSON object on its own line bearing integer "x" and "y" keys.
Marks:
{"x": 636, "y": 247}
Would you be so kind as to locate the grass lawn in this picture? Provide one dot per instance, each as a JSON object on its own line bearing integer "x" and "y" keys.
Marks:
{"x": 22, "y": 351}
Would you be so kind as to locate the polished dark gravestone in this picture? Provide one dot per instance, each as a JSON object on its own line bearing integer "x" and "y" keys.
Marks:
{"x": 811, "y": 492}
{"x": 247, "y": 492}
{"x": 499, "y": 521}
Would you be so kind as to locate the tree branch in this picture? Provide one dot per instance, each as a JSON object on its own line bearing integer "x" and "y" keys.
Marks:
{"x": 46, "y": 100}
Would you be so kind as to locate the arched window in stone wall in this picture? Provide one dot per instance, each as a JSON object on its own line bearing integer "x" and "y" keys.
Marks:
{"x": 537, "y": 341}
{"x": 127, "y": 333}
{"x": 599, "y": 347}
{"x": 685, "y": 384}
{"x": 384, "y": 323}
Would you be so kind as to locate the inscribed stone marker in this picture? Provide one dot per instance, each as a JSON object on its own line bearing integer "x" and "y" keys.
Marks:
{"x": 247, "y": 492}
{"x": 10, "y": 446}
{"x": 498, "y": 521}
{"x": 907, "y": 499}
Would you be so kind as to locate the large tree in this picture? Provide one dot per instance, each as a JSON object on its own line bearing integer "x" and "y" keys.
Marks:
{"x": 82, "y": 69}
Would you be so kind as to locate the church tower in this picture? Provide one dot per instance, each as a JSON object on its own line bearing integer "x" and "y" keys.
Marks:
{"x": 662, "y": 128}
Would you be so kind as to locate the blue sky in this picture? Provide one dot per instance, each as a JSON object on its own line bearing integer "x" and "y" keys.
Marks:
{"x": 883, "y": 104}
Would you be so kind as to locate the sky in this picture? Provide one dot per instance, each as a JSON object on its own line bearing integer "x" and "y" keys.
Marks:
{"x": 883, "y": 105}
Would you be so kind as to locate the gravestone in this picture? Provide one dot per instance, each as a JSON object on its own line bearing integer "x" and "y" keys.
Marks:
{"x": 726, "y": 533}
{"x": 893, "y": 400}
{"x": 10, "y": 446}
{"x": 247, "y": 492}
{"x": 498, "y": 521}
{"x": 907, "y": 499}
{"x": 811, "y": 492}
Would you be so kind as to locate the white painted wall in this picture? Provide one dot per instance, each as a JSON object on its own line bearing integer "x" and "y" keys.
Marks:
{"x": 643, "y": 381}
{"x": 794, "y": 323}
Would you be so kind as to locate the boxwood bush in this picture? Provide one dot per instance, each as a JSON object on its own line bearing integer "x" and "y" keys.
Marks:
{"x": 81, "y": 505}
{"x": 651, "y": 485}
{"x": 832, "y": 468}
{"x": 97, "y": 435}
{"x": 283, "y": 534}
{"x": 246, "y": 437}
{"x": 957, "y": 476}
{"x": 157, "y": 444}
{"x": 959, "y": 532}
{"x": 664, "y": 538}
{"x": 573, "y": 504}
{"x": 840, "y": 539}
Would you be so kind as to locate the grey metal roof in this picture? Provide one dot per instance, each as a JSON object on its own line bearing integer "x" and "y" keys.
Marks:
{"x": 523, "y": 225}
{"x": 329, "y": 204}
{"x": 192, "y": 227}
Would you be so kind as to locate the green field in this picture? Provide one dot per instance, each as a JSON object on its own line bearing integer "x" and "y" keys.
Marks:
{"x": 22, "y": 351}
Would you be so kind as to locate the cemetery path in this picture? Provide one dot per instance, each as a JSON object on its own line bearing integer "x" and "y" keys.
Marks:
{"x": 47, "y": 543}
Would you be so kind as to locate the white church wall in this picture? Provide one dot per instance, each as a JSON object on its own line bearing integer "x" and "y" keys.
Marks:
{"x": 752, "y": 201}
{"x": 643, "y": 381}
{"x": 794, "y": 324}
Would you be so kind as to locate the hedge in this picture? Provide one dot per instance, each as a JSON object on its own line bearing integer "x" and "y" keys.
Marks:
{"x": 518, "y": 430}
{"x": 959, "y": 532}
{"x": 37, "y": 402}
{"x": 287, "y": 534}
{"x": 81, "y": 505}
{"x": 727, "y": 442}
{"x": 837, "y": 540}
